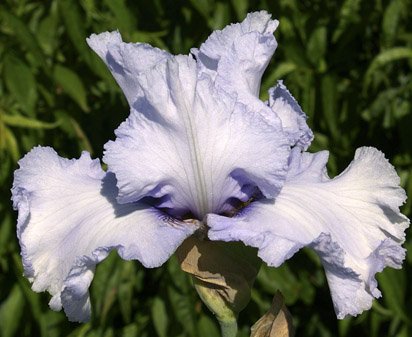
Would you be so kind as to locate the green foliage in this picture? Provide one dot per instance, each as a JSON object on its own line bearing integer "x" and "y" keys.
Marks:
{"x": 347, "y": 62}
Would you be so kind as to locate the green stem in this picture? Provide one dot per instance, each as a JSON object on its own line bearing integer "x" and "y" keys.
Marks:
{"x": 221, "y": 309}
{"x": 228, "y": 328}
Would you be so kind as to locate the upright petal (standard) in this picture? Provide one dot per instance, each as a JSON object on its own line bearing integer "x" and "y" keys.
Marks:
{"x": 126, "y": 60}
{"x": 291, "y": 115}
{"x": 192, "y": 146}
{"x": 240, "y": 53}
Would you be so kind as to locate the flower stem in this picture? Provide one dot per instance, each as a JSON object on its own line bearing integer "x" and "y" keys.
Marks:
{"x": 228, "y": 328}
{"x": 224, "y": 313}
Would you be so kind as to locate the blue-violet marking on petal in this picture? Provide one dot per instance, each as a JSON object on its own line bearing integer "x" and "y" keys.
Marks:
{"x": 352, "y": 221}
{"x": 69, "y": 221}
{"x": 199, "y": 145}
{"x": 194, "y": 145}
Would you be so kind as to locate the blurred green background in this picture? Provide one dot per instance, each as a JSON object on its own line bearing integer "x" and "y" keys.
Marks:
{"x": 347, "y": 62}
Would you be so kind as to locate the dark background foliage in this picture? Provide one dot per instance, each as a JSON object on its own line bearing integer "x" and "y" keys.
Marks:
{"x": 347, "y": 62}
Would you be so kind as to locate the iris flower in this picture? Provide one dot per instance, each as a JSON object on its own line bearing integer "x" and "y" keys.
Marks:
{"x": 200, "y": 152}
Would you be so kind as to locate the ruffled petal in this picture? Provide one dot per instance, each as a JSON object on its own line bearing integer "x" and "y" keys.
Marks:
{"x": 240, "y": 52}
{"x": 69, "y": 221}
{"x": 126, "y": 60}
{"x": 352, "y": 221}
{"x": 290, "y": 113}
{"x": 192, "y": 146}
{"x": 237, "y": 56}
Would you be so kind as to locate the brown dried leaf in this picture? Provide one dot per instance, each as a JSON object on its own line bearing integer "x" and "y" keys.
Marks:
{"x": 277, "y": 322}
{"x": 228, "y": 269}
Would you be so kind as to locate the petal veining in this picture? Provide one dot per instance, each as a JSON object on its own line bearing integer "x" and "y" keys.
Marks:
{"x": 352, "y": 221}
{"x": 69, "y": 221}
{"x": 194, "y": 146}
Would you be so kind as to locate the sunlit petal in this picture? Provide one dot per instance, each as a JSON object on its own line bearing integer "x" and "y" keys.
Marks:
{"x": 290, "y": 113}
{"x": 352, "y": 221}
{"x": 240, "y": 52}
{"x": 69, "y": 221}
{"x": 194, "y": 147}
{"x": 237, "y": 56}
{"x": 126, "y": 60}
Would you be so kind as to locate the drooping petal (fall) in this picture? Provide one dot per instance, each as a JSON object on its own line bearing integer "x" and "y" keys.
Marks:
{"x": 192, "y": 146}
{"x": 352, "y": 221}
{"x": 69, "y": 221}
{"x": 126, "y": 60}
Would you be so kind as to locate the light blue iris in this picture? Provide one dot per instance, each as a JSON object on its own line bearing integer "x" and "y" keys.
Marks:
{"x": 199, "y": 145}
